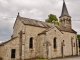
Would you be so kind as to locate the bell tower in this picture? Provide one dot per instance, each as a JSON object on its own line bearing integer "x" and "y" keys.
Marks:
{"x": 65, "y": 18}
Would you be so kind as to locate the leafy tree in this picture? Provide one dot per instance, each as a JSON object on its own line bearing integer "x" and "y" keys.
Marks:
{"x": 78, "y": 36}
{"x": 52, "y": 19}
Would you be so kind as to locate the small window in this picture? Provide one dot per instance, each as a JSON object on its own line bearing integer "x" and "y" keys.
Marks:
{"x": 13, "y": 53}
{"x": 31, "y": 43}
{"x": 54, "y": 43}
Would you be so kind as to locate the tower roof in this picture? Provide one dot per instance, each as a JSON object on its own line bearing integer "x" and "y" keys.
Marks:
{"x": 64, "y": 10}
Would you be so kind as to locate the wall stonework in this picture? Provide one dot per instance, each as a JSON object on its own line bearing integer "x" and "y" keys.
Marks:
{"x": 5, "y": 52}
{"x": 31, "y": 53}
{"x": 18, "y": 26}
{"x": 42, "y": 44}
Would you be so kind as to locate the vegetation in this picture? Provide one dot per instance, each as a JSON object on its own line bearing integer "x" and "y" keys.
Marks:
{"x": 42, "y": 59}
{"x": 78, "y": 36}
{"x": 52, "y": 19}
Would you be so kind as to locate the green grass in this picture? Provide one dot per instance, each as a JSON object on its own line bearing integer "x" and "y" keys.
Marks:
{"x": 42, "y": 59}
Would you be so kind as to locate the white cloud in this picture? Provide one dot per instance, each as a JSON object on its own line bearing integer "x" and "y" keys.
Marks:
{"x": 37, "y": 9}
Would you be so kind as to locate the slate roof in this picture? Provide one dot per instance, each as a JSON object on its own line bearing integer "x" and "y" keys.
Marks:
{"x": 43, "y": 32}
{"x": 1, "y": 44}
{"x": 65, "y": 29}
{"x": 33, "y": 22}
{"x": 60, "y": 29}
{"x": 64, "y": 10}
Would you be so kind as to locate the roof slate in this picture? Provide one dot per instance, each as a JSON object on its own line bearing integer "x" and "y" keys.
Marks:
{"x": 64, "y": 10}
{"x": 65, "y": 29}
{"x": 33, "y": 22}
{"x": 1, "y": 44}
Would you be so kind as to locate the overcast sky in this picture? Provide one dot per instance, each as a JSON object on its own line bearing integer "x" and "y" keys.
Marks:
{"x": 35, "y": 9}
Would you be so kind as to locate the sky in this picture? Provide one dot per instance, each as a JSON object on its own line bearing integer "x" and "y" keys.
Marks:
{"x": 34, "y": 9}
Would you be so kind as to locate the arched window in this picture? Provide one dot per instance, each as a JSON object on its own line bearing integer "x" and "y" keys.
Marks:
{"x": 31, "y": 43}
{"x": 54, "y": 43}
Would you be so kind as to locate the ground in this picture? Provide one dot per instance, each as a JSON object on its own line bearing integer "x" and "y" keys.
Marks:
{"x": 65, "y": 58}
{"x": 70, "y": 58}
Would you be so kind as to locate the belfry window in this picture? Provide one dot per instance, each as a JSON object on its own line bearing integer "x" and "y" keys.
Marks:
{"x": 54, "y": 43}
{"x": 31, "y": 43}
{"x": 13, "y": 51}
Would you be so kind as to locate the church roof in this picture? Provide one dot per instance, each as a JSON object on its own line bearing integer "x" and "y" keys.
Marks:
{"x": 60, "y": 29}
{"x": 64, "y": 10}
{"x": 33, "y": 22}
{"x": 1, "y": 44}
{"x": 65, "y": 29}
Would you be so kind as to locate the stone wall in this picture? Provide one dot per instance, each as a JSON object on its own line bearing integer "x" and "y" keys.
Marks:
{"x": 50, "y": 37}
{"x": 40, "y": 51}
{"x": 66, "y": 36}
{"x": 18, "y": 26}
{"x": 31, "y": 31}
{"x": 6, "y": 49}
{"x": 1, "y": 52}
{"x": 40, "y": 48}
{"x": 70, "y": 46}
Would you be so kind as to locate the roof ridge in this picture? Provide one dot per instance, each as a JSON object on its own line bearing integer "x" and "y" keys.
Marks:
{"x": 31, "y": 19}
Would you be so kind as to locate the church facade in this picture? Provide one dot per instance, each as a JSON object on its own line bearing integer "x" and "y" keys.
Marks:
{"x": 36, "y": 39}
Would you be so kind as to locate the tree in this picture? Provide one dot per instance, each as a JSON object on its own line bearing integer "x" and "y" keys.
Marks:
{"x": 78, "y": 36}
{"x": 52, "y": 19}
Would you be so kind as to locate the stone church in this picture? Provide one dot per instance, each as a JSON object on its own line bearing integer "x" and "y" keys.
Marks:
{"x": 37, "y": 39}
